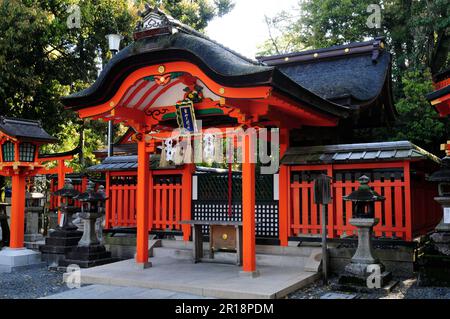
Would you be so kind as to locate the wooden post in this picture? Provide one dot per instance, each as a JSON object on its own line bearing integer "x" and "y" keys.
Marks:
{"x": 248, "y": 206}
{"x": 408, "y": 211}
{"x": 283, "y": 193}
{"x": 283, "y": 212}
{"x": 108, "y": 202}
{"x": 17, "y": 211}
{"x": 142, "y": 205}
{"x": 61, "y": 178}
{"x": 186, "y": 206}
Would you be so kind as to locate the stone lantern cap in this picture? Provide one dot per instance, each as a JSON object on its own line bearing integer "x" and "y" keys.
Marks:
{"x": 68, "y": 190}
{"x": 33, "y": 194}
{"x": 90, "y": 195}
{"x": 442, "y": 175}
{"x": 364, "y": 193}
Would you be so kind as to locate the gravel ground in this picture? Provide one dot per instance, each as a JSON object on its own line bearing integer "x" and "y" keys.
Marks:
{"x": 40, "y": 282}
{"x": 31, "y": 283}
{"x": 405, "y": 289}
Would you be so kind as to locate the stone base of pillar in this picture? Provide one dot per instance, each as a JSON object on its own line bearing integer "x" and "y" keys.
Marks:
{"x": 249, "y": 274}
{"x": 17, "y": 259}
{"x": 57, "y": 244}
{"x": 88, "y": 256}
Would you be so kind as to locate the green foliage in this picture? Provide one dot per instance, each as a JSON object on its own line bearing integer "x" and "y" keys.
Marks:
{"x": 418, "y": 122}
{"x": 417, "y": 33}
{"x": 41, "y": 59}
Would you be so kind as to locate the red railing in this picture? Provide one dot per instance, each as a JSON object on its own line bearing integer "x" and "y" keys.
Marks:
{"x": 408, "y": 210}
{"x": 167, "y": 200}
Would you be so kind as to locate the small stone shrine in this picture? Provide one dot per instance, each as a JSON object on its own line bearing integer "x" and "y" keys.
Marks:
{"x": 89, "y": 251}
{"x": 66, "y": 237}
{"x": 364, "y": 271}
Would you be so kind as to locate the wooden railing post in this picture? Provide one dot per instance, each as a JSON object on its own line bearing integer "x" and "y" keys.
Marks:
{"x": 186, "y": 194}
{"x": 283, "y": 210}
{"x": 108, "y": 202}
{"x": 408, "y": 211}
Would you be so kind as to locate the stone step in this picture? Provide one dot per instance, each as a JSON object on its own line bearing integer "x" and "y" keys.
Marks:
{"x": 308, "y": 263}
{"x": 301, "y": 251}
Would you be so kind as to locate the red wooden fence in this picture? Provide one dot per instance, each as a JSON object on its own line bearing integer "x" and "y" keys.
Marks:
{"x": 408, "y": 210}
{"x": 167, "y": 200}
{"x": 80, "y": 184}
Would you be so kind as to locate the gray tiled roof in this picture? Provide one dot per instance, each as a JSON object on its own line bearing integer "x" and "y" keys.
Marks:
{"x": 25, "y": 129}
{"x": 349, "y": 153}
{"x": 125, "y": 163}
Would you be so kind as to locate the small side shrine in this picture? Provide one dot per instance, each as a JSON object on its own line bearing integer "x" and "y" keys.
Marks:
{"x": 20, "y": 141}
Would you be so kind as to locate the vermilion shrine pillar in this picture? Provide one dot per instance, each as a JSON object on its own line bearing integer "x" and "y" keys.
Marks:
{"x": 248, "y": 206}
{"x": 143, "y": 212}
{"x": 284, "y": 189}
{"x": 17, "y": 211}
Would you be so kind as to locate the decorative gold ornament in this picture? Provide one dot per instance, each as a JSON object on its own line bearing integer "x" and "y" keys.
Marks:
{"x": 347, "y": 50}
{"x": 161, "y": 69}
{"x": 224, "y": 236}
{"x": 111, "y": 103}
{"x": 221, "y": 90}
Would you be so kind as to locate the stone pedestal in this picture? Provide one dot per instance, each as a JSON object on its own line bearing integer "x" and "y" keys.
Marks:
{"x": 62, "y": 240}
{"x": 434, "y": 257}
{"x": 32, "y": 224}
{"x": 363, "y": 261}
{"x": 17, "y": 259}
{"x": 89, "y": 251}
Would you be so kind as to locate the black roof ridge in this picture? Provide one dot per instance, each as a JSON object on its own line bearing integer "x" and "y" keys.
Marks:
{"x": 438, "y": 93}
{"x": 326, "y": 49}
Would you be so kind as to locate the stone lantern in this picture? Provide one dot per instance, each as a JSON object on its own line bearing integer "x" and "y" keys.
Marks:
{"x": 434, "y": 256}
{"x": 363, "y": 262}
{"x": 66, "y": 237}
{"x": 89, "y": 251}
{"x": 34, "y": 208}
{"x": 442, "y": 234}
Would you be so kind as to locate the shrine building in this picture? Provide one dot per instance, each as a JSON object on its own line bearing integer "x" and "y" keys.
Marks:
{"x": 310, "y": 104}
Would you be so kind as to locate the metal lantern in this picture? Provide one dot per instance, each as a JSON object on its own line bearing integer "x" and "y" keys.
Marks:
{"x": 114, "y": 42}
{"x": 364, "y": 199}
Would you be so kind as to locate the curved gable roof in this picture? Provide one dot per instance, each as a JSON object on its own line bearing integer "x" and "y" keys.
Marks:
{"x": 219, "y": 63}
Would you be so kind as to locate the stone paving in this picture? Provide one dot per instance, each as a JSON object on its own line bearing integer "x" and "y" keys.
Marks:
{"x": 204, "y": 279}
{"x": 117, "y": 292}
